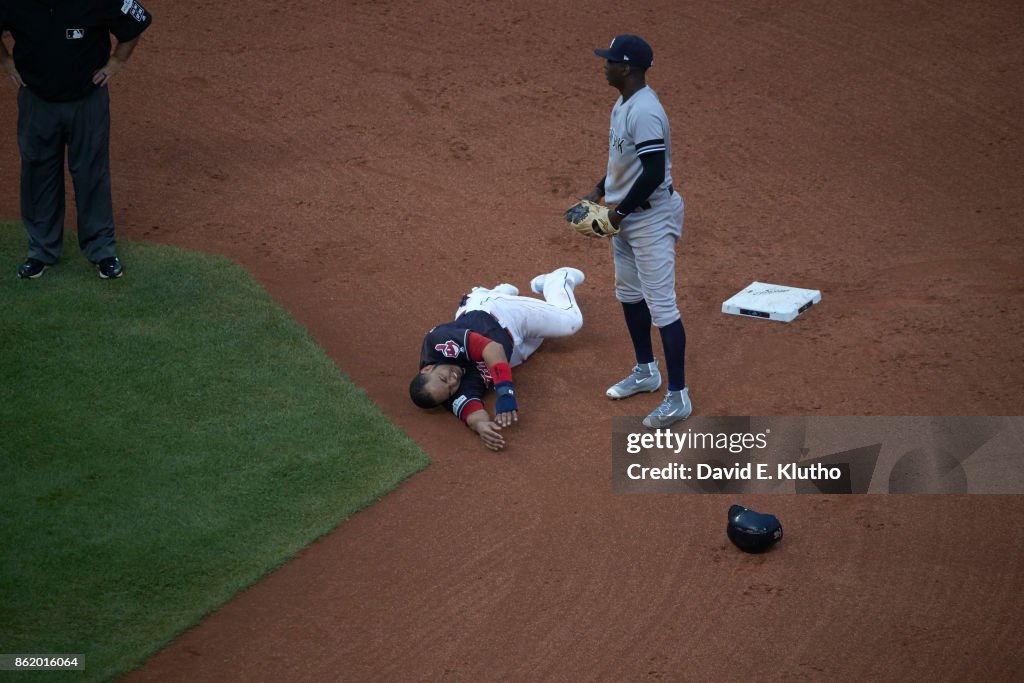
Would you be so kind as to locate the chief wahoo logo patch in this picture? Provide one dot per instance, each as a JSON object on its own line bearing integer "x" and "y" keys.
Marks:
{"x": 449, "y": 349}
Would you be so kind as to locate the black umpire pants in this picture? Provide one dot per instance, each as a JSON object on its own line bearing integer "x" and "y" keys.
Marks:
{"x": 45, "y": 130}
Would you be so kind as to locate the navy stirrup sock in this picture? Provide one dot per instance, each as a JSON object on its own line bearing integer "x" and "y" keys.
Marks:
{"x": 638, "y": 322}
{"x": 673, "y": 339}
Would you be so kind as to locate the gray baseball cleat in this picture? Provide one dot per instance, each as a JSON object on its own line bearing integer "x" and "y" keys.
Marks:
{"x": 645, "y": 377}
{"x": 575, "y": 276}
{"x": 675, "y": 407}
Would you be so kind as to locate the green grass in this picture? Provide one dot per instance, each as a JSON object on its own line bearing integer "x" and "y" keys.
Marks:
{"x": 165, "y": 440}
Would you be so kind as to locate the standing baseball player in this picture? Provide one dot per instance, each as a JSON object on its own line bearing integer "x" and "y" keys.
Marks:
{"x": 648, "y": 213}
{"x": 494, "y": 331}
{"x": 62, "y": 64}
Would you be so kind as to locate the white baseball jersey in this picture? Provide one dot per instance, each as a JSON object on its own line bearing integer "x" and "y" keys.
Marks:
{"x": 638, "y": 127}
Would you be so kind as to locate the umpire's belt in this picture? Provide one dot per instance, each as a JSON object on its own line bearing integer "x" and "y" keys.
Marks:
{"x": 647, "y": 205}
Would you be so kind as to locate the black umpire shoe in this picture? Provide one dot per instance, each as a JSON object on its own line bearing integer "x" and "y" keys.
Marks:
{"x": 31, "y": 269}
{"x": 110, "y": 268}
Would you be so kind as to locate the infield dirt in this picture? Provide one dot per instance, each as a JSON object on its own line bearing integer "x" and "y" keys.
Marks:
{"x": 370, "y": 161}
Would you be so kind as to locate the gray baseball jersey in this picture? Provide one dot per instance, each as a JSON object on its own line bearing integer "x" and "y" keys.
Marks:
{"x": 638, "y": 127}
{"x": 645, "y": 248}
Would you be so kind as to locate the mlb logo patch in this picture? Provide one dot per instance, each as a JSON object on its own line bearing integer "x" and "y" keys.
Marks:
{"x": 74, "y": 33}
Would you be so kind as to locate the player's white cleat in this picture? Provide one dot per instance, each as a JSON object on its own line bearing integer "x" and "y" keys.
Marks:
{"x": 575, "y": 277}
{"x": 675, "y": 407}
{"x": 537, "y": 283}
{"x": 645, "y": 377}
{"x": 506, "y": 288}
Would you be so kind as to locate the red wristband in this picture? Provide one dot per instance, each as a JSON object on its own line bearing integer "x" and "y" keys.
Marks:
{"x": 501, "y": 372}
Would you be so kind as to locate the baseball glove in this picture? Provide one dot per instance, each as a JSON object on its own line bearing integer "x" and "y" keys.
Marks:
{"x": 590, "y": 219}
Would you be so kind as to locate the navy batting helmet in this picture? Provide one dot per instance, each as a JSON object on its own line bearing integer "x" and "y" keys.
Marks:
{"x": 751, "y": 531}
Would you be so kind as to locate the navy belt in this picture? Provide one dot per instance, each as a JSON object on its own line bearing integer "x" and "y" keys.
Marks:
{"x": 490, "y": 315}
{"x": 505, "y": 329}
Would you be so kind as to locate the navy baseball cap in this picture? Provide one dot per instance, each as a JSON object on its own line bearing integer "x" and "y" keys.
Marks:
{"x": 632, "y": 50}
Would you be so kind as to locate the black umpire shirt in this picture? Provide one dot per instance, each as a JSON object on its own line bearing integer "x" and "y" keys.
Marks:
{"x": 60, "y": 44}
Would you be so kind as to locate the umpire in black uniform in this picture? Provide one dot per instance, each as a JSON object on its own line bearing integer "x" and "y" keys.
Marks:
{"x": 62, "y": 62}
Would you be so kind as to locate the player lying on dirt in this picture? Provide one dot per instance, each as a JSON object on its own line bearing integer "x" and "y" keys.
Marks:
{"x": 494, "y": 330}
